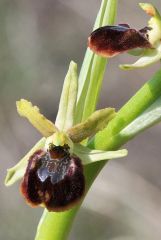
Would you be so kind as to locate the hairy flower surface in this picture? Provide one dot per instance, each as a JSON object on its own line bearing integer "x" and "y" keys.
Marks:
{"x": 53, "y": 178}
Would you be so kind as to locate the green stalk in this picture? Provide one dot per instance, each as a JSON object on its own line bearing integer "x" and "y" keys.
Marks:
{"x": 56, "y": 226}
{"x": 98, "y": 67}
{"x": 93, "y": 68}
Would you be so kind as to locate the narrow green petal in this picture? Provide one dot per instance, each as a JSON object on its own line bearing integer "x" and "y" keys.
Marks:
{"x": 90, "y": 156}
{"x": 17, "y": 172}
{"x": 96, "y": 122}
{"x": 32, "y": 113}
{"x": 150, "y": 56}
{"x": 65, "y": 116}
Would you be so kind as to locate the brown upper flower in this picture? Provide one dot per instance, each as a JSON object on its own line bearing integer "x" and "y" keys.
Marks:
{"x": 109, "y": 41}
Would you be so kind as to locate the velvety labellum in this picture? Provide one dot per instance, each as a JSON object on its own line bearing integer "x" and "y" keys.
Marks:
{"x": 109, "y": 41}
{"x": 53, "y": 178}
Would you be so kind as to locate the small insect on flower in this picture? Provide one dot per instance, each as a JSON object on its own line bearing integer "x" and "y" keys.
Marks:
{"x": 54, "y": 179}
{"x": 109, "y": 41}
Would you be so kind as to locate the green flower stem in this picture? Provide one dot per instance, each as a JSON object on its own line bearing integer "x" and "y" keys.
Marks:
{"x": 98, "y": 66}
{"x": 56, "y": 226}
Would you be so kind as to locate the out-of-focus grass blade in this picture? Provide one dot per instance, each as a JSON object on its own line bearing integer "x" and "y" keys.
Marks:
{"x": 93, "y": 68}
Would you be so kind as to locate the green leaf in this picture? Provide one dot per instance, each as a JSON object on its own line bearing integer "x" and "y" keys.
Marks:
{"x": 93, "y": 68}
{"x": 96, "y": 122}
{"x": 148, "y": 118}
{"x": 110, "y": 138}
{"x": 149, "y": 57}
{"x": 90, "y": 156}
{"x": 17, "y": 172}
{"x": 32, "y": 113}
{"x": 65, "y": 116}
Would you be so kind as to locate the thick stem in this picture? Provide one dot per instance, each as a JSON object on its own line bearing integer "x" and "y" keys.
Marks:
{"x": 62, "y": 222}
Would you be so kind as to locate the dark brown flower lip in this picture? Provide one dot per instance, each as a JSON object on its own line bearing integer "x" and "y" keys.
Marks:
{"x": 53, "y": 179}
{"x": 109, "y": 41}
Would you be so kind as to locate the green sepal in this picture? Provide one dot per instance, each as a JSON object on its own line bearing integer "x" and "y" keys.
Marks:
{"x": 39, "y": 121}
{"x": 95, "y": 123}
{"x": 154, "y": 35}
{"x": 66, "y": 111}
{"x": 17, "y": 172}
{"x": 149, "y": 57}
{"x": 136, "y": 51}
{"x": 90, "y": 156}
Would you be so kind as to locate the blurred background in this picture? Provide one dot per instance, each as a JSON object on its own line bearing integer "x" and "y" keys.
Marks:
{"x": 37, "y": 41}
